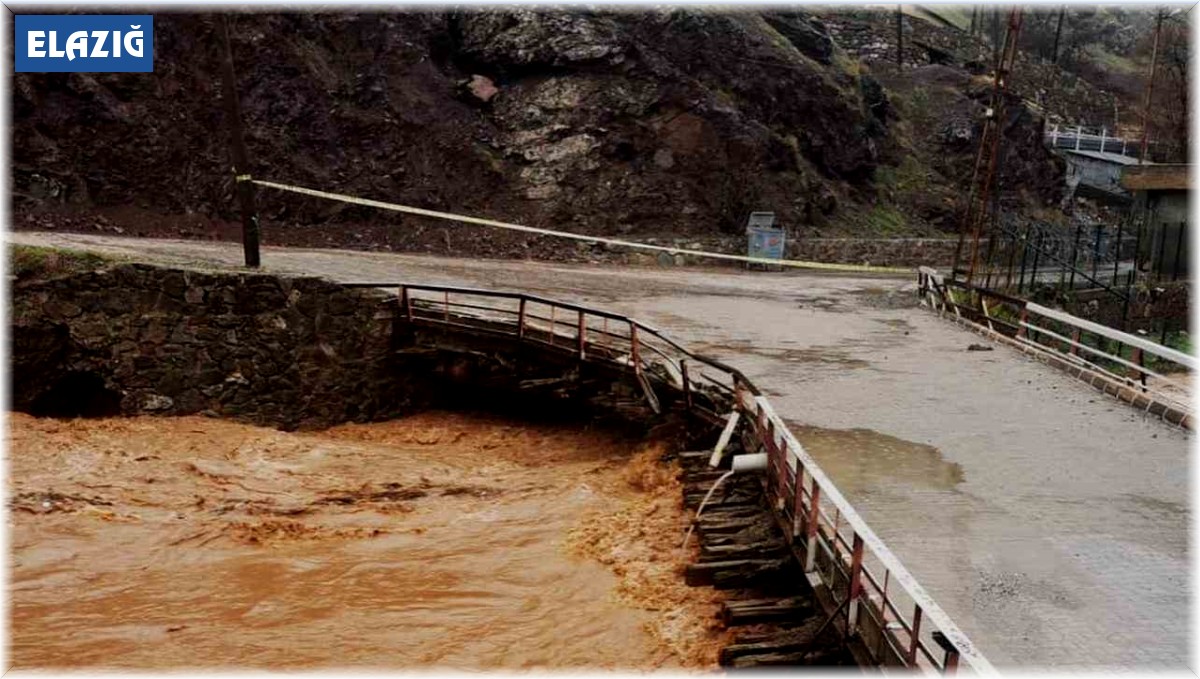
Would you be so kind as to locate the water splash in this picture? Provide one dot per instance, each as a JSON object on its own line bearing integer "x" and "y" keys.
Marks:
{"x": 700, "y": 509}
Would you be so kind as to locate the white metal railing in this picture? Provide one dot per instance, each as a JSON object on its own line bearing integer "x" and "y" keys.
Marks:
{"x": 1119, "y": 357}
{"x": 1080, "y": 138}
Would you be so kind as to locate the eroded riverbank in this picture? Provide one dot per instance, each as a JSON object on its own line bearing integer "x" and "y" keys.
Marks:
{"x": 438, "y": 540}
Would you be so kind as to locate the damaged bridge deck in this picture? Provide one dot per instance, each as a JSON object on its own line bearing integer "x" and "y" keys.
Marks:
{"x": 819, "y": 547}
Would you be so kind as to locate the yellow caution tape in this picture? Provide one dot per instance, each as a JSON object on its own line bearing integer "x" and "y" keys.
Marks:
{"x": 574, "y": 236}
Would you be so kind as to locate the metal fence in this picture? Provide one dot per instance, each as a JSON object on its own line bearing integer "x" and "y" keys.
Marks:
{"x": 1081, "y": 138}
{"x": 1096, "y": 256}
{"x": 879, "y": 607}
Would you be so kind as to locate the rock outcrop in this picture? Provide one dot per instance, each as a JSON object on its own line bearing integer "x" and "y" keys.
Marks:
{"x": 671, "y": 122}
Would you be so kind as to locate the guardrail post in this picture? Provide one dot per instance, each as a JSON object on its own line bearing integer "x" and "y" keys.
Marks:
{"x": 1076, "y": 335}
{"x": 950, "y": 662}
{"x": 855, "y": 588}
{"x": 582, "y": 335}
{"x": 406, "y": 303}
{"x": 687, "y": 384}
{"x": 797, "y": 503}
{"x": 773, "y": 479}
{"x": 1021, "y": 329}
{"x": 914, "y": 643}
{"x": 950, "y": 665}
{"x": 633, "y": 349}
{"x": 1136, "y": 357}
{"x": 814, "y": 515}
{"x": 521, "y": 319}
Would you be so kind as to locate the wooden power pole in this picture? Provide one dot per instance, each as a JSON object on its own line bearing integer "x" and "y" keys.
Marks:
{"x": 899, "y": 36}
{"x": 241, "y": 166}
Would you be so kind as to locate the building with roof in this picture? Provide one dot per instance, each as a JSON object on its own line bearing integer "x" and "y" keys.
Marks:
{"x": 1160, "y": 195}
{"x": 1097, "y": 175}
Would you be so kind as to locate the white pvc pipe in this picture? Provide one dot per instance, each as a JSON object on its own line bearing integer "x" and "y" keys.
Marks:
{"x": 748, "y": 463}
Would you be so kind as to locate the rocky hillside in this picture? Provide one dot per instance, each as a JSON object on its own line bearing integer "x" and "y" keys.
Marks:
{"x": 675, "y": 122}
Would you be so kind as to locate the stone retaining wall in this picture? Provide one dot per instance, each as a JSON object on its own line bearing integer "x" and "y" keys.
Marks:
{"x": 290, "y": 352}
{"x": 897, "y": 252}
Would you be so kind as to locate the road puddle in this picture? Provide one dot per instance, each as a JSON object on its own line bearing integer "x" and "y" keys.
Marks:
{"x": 438, "y": 540}
{"x": 861, "y": 461}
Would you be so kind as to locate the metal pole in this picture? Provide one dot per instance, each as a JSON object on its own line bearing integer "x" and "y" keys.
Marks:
{"x": 987, "y": 283}
{"x": 1150, "y": 89}
{"x": 1125, "y": 306}
{"x": 900, "y": 36}
{"x": 1024, "y": 256}
{"x": 241, "y": 166}
{"x": 1062, "y": 273}
{"x": 1037, "y": 255}
{"x": 1178, "y": 251}
{"x": 1137, "y": 247}
{"x": 1012, "y": 260}
{"x": 1117, "y": 252}
{"x": 1162, "y": 250}
{"x": 1096, "y": 253}
{"x": 1075, "y": 253}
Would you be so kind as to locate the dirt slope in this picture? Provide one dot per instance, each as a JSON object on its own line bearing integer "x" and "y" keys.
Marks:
{"x": 674, "y": 122}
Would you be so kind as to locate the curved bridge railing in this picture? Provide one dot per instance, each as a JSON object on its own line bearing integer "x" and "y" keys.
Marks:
{"x": 885, "y": 615}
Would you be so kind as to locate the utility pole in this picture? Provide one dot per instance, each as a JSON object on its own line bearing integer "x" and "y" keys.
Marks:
{"x": 241, "y": 166}
{"x": 983, "y": 179}
{"x": 974, "y": 18}
{"x": 1150, "y": 88}
{"x": 1058, "y": 32}
{"x": 900, "y": 37}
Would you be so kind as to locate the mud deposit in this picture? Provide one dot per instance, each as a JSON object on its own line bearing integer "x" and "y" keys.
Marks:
{"x": 438, "y": 540}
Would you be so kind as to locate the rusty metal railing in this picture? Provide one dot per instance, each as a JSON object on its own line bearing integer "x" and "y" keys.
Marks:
{"x": 893, "y": 621}
{"x": 1140, "y": 370}
{"x": 878, "y": 606}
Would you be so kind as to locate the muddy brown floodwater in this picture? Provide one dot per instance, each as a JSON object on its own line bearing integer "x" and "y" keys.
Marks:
{"x": 439, "y": 540}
